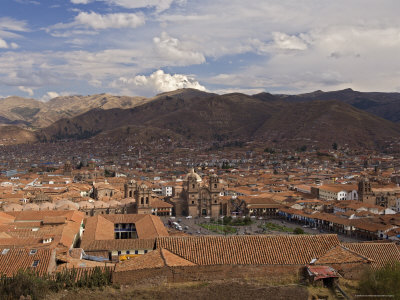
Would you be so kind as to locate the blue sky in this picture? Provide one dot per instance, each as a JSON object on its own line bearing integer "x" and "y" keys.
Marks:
{"x": 144, "y": 47}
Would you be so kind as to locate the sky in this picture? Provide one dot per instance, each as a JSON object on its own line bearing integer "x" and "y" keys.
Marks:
{"x": 144, "y": 47}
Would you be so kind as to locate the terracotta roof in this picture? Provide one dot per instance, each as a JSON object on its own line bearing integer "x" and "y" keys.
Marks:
{"x": 40, "y": 215}
{"x": 6, "y": 218}
{"x": 101, "y": 227}
{"x": 97, "y": 228}
{"x": 150, "y": 227}
{"x": 379, "y": 253}
{"x": 341, "y": 255}
{"x": 155, "y": 259}
{"x": 160, "y": 204}
{"x": 14, "y": 259}
{"x": 122, "y": 244}
{"x": 265, "y": 249}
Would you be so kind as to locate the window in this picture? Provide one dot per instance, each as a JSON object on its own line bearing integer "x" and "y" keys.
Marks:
{"x": 35, "y": 263}
{"x": 136, "y": 251}
{"x": 145, "y": 251}
{"x": 5, "y": 251}
{"x": 33, "y": 251}
{"x": 147, "y": 200}
{"x": 119, "y": 252}
{"x": 141, "y": 200}
{"x": 215, "y": 185}
{"x": 128, "y": 252}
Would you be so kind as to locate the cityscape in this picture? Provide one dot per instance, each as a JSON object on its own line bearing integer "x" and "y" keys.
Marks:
{"x": 170, "y": 149}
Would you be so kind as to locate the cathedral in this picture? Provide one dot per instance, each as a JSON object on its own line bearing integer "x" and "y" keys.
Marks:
{"x": 197, "y": 199}
{"x": 381, "y": 196}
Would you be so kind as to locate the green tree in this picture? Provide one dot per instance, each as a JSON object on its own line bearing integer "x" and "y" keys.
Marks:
{"x": 334, "y": 146}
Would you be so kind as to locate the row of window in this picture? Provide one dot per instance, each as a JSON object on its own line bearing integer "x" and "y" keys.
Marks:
{"x": 129, "y": 252}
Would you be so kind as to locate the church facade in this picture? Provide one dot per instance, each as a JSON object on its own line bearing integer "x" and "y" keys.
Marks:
{"x": 382, "y": 197}
{"x": 198, "y": 200}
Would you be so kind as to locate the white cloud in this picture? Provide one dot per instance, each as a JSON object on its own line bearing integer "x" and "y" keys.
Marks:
{"x": 7, "y": 23}
{"x": 288, "y": 42}
{"x": 97, "y": 21}
{"x": 49, "y": 95}
{"x": 3, "y": 44}
{"x": 172, "y": 50}
{"x": 157, "y": 82}
{"x": 119, "y": 20}
{"x": 26, "y": 90}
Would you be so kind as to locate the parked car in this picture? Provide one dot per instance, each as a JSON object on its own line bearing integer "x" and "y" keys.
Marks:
{"x": 189, "y": 217}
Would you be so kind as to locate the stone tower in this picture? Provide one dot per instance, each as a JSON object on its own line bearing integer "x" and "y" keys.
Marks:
{"x": 215, "y": 189}
{"x": 142, "y": 197}
{"x": 365, "y": 192}
{"x": 130, "y": 188}
{"x": 67, "y": 169}
{"x": 193, "y": 185}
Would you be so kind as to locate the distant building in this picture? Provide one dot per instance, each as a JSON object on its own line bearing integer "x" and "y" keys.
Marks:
{"x": 197, "y": 199}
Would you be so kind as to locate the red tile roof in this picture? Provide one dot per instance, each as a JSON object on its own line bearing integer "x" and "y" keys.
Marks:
{"x": 380, "y": 253}
{"x": 262, "y": 249}
{"x": 156, "y": 259}
{"x": 15, "y": 259}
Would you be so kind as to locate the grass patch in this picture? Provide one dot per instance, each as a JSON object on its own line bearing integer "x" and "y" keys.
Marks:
{"x": 275, "y": 227}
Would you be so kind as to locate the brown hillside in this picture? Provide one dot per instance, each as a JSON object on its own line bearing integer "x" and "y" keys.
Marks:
{"x": 237, "y": 116}
{"x": 11, "y": 135}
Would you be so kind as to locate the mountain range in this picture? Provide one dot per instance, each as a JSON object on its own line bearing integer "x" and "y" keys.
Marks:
{"x": 345, "y": 117}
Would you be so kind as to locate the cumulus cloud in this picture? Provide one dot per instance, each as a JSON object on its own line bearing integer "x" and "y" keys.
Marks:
{"x": 97, "y": 21}
{"x": 5, "y": 45}
{"x": 172, "y": 50}
{"x": 289, "y": 42}
{"x": 26, "y": 90}
{"x": 157, "y": 82}
{"x": 119, "y": 20}
{"x": 49, "y": 95}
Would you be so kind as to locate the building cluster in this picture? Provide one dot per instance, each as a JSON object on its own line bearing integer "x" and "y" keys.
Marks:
{"x": 106, "y": 208}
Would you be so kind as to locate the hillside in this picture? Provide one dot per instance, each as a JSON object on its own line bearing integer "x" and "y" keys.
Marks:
{"x": 10, "y": 135}
{"x": 236, "y": 116}
{"x": 36, "y": 114}
{"x": 384, "y": 105}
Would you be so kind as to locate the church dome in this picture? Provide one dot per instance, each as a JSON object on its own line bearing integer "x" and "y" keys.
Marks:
{"x": 192, "y": 174}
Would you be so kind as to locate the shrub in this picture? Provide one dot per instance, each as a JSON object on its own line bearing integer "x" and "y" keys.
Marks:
{"x": 384, "y": 281}
{"x": 23, "y": 283}
{"x": 227, "y": 220}
{"x": 28, "y": 283}
{"x": 298, "y": 230}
